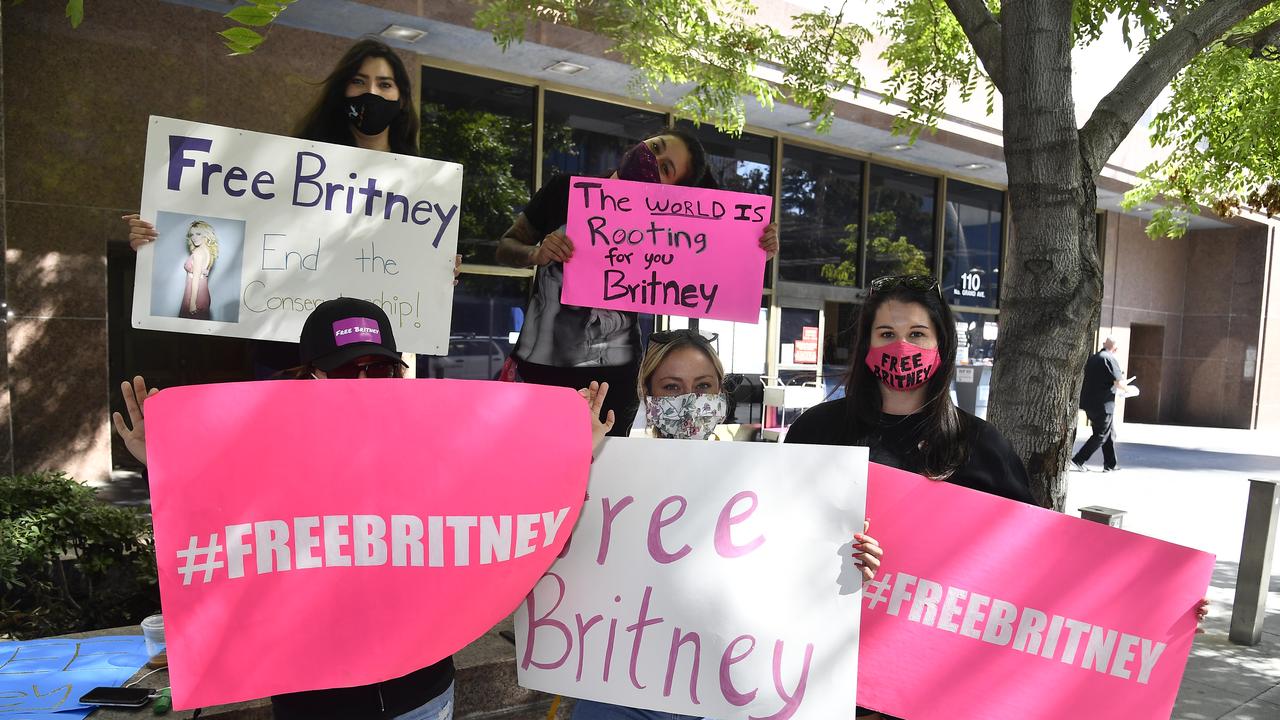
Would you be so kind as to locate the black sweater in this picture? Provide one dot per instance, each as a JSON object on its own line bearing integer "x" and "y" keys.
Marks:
{"x": 991, "y": 466}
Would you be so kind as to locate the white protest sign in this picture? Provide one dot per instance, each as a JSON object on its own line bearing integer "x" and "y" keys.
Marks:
{"x": 255, "y": 230}
{"x": 706, "y": 578}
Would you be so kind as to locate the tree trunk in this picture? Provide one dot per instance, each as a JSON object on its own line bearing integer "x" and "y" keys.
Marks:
{"x": 1053, "y": 286}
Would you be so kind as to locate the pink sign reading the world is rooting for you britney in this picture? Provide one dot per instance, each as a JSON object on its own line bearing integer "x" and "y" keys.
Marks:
{"x": 667, "y": 249}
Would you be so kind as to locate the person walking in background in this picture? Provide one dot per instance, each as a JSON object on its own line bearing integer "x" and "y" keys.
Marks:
{"x": 1102, "y": 379}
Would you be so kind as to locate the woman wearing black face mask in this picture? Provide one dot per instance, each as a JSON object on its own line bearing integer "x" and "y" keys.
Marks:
{"x": 569, "y": 346}
{"x": 366, "y": 102}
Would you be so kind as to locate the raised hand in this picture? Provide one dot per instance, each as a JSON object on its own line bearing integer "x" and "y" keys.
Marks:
{"x": 595, "y": 394}
{"x": 134, "y": 434}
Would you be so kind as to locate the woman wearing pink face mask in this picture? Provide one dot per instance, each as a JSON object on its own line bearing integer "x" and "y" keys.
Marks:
{"x": 898, "y": 401}
{"x": 570, "y": 346}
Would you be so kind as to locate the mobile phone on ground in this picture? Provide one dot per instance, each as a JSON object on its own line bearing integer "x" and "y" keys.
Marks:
{"x": 116, "y": 697}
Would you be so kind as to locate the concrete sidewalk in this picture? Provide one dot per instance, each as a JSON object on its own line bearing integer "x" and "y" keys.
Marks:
{"x": 1190, "y": 486}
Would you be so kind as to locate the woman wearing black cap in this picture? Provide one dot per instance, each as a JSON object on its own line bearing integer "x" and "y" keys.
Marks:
{"x": 348, "y": 339}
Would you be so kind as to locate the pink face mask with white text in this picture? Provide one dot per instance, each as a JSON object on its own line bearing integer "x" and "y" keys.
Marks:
{"x": 903, "y": 366}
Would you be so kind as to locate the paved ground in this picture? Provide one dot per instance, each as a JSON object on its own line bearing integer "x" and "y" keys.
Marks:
{"x": 1190, "y": 486}
{"x": 1183, "y": 485}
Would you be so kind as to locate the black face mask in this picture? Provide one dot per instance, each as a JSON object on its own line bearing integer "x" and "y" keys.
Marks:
{"x": 371, "y": 114}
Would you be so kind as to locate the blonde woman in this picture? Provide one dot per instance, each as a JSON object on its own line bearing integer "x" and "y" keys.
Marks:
{"x": 680, "y": 387}
{"x": 202, "y": 249}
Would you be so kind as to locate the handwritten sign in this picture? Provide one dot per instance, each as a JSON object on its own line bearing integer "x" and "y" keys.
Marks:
{"x": 343, "y": 532}
{"x": 46, "y": 678}
{"x": 1066, "y": 618}
{"x": 255, "y": 230}
{"x": 666, "y": 249}
{"x": 705, "y": 578}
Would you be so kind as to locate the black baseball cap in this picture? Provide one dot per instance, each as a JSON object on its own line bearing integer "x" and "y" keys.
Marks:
{"x": 339, "y": 331}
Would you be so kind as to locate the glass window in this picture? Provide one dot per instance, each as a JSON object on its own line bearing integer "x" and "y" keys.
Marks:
{"x": 741, "y": 164}
{"x": 840, "y": 323}
{"x": 488, "y": 312}
{"x": 976, "y": 338}
{"x": 820, "y": 217}
{"x": 972, "y": 229}
{"x": 487, "y": 126}
{"x": 900, "y": 223}
{"x": 588, "y": 137}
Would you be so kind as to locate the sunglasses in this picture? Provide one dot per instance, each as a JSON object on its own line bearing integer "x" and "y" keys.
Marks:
{"x": 372, "y": 369}
{"x": 666, "y": 336}
{"x": 919, "y": 283}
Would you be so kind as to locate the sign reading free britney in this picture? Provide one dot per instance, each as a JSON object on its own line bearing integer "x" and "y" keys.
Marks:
{"x": 706, "y": 578}
{"x": 343, "y": 532}
{"x": 255, "y": 230}
{"x": 989, "y": 608}
{"x": 666, "y": 249}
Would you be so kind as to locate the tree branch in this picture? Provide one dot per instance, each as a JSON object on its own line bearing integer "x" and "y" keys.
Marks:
{"x": 1263, "y": 44}
{"x": 983, "y": 31}
{"x": 1120, "y": 110}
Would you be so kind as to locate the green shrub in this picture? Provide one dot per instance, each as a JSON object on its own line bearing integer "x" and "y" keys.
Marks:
{"x": 70, "y": 562}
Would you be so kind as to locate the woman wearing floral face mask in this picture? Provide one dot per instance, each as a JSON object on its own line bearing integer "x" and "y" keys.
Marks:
{"x": 898, "y": 399}
{"x": 571, "y": 346}
{"x": 680, "y": 384}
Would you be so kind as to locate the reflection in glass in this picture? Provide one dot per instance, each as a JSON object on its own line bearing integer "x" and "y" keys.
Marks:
{"x": 488, "y": 312}
{"x": 487, "y": 126}
{"x": 588, "y": 137}
{"x": 972, "y": 230}
{"x": 900, "y": 223}
{"x": 976, "y": 341}
{"x": 741, "y": 164}
{"x": 821, "y": 212}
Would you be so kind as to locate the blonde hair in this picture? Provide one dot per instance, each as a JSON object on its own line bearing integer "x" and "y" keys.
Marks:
{"x": 211, "y": 243}
{"x": 657, "y": 352}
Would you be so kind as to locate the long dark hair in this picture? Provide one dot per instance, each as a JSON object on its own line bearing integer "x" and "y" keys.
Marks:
{"x": 942, "y": 445}
{"x": 326, "y": 121}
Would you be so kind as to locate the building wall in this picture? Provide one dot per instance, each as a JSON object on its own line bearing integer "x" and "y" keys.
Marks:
{"x": 76, "y": 103}
{"x": 1206, "y": 291}
{"x": 1269, "y": 356}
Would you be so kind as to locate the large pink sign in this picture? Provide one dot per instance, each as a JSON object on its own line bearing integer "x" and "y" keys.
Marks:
{"x": 988, "y": 608}
{"x": 335, "y": 533}
{"x": 666, "y": 249}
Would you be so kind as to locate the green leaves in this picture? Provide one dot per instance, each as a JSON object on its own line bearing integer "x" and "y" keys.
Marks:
{"x": 241, "y": 40}
{"x": 716, "y": 49}
{"x": 1220, "y": 132}
{"x": 930, "y": 59}
{"x": 75, "y": 11}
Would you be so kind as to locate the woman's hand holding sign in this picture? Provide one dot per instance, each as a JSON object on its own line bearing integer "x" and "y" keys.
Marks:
{"x": 769, "y": 241}
{"x": 555, "y": 246}
{"x": 141, "y": 232}
{"x": 867, "y": 552}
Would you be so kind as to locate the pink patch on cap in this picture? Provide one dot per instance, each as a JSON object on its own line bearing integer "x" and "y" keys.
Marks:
{"x": 356, "y": 330}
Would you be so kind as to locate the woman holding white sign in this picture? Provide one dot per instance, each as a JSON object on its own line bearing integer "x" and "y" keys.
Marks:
{"x": 366, "y": 102}
{"x": 680, "y": 384}
{"x": 569, "y": 346}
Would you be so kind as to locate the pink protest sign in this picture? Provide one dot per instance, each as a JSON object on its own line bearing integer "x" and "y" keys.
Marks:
{"x": 343, "y": 532}
{"x": 989, "y": 608}
{"x": 667, "y": 249}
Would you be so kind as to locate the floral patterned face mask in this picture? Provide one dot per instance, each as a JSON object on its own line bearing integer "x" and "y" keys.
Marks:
{"x": 685, "y": 417}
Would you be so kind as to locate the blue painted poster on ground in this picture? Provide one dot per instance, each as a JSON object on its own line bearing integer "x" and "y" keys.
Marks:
{"x": 45, "y": 678}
